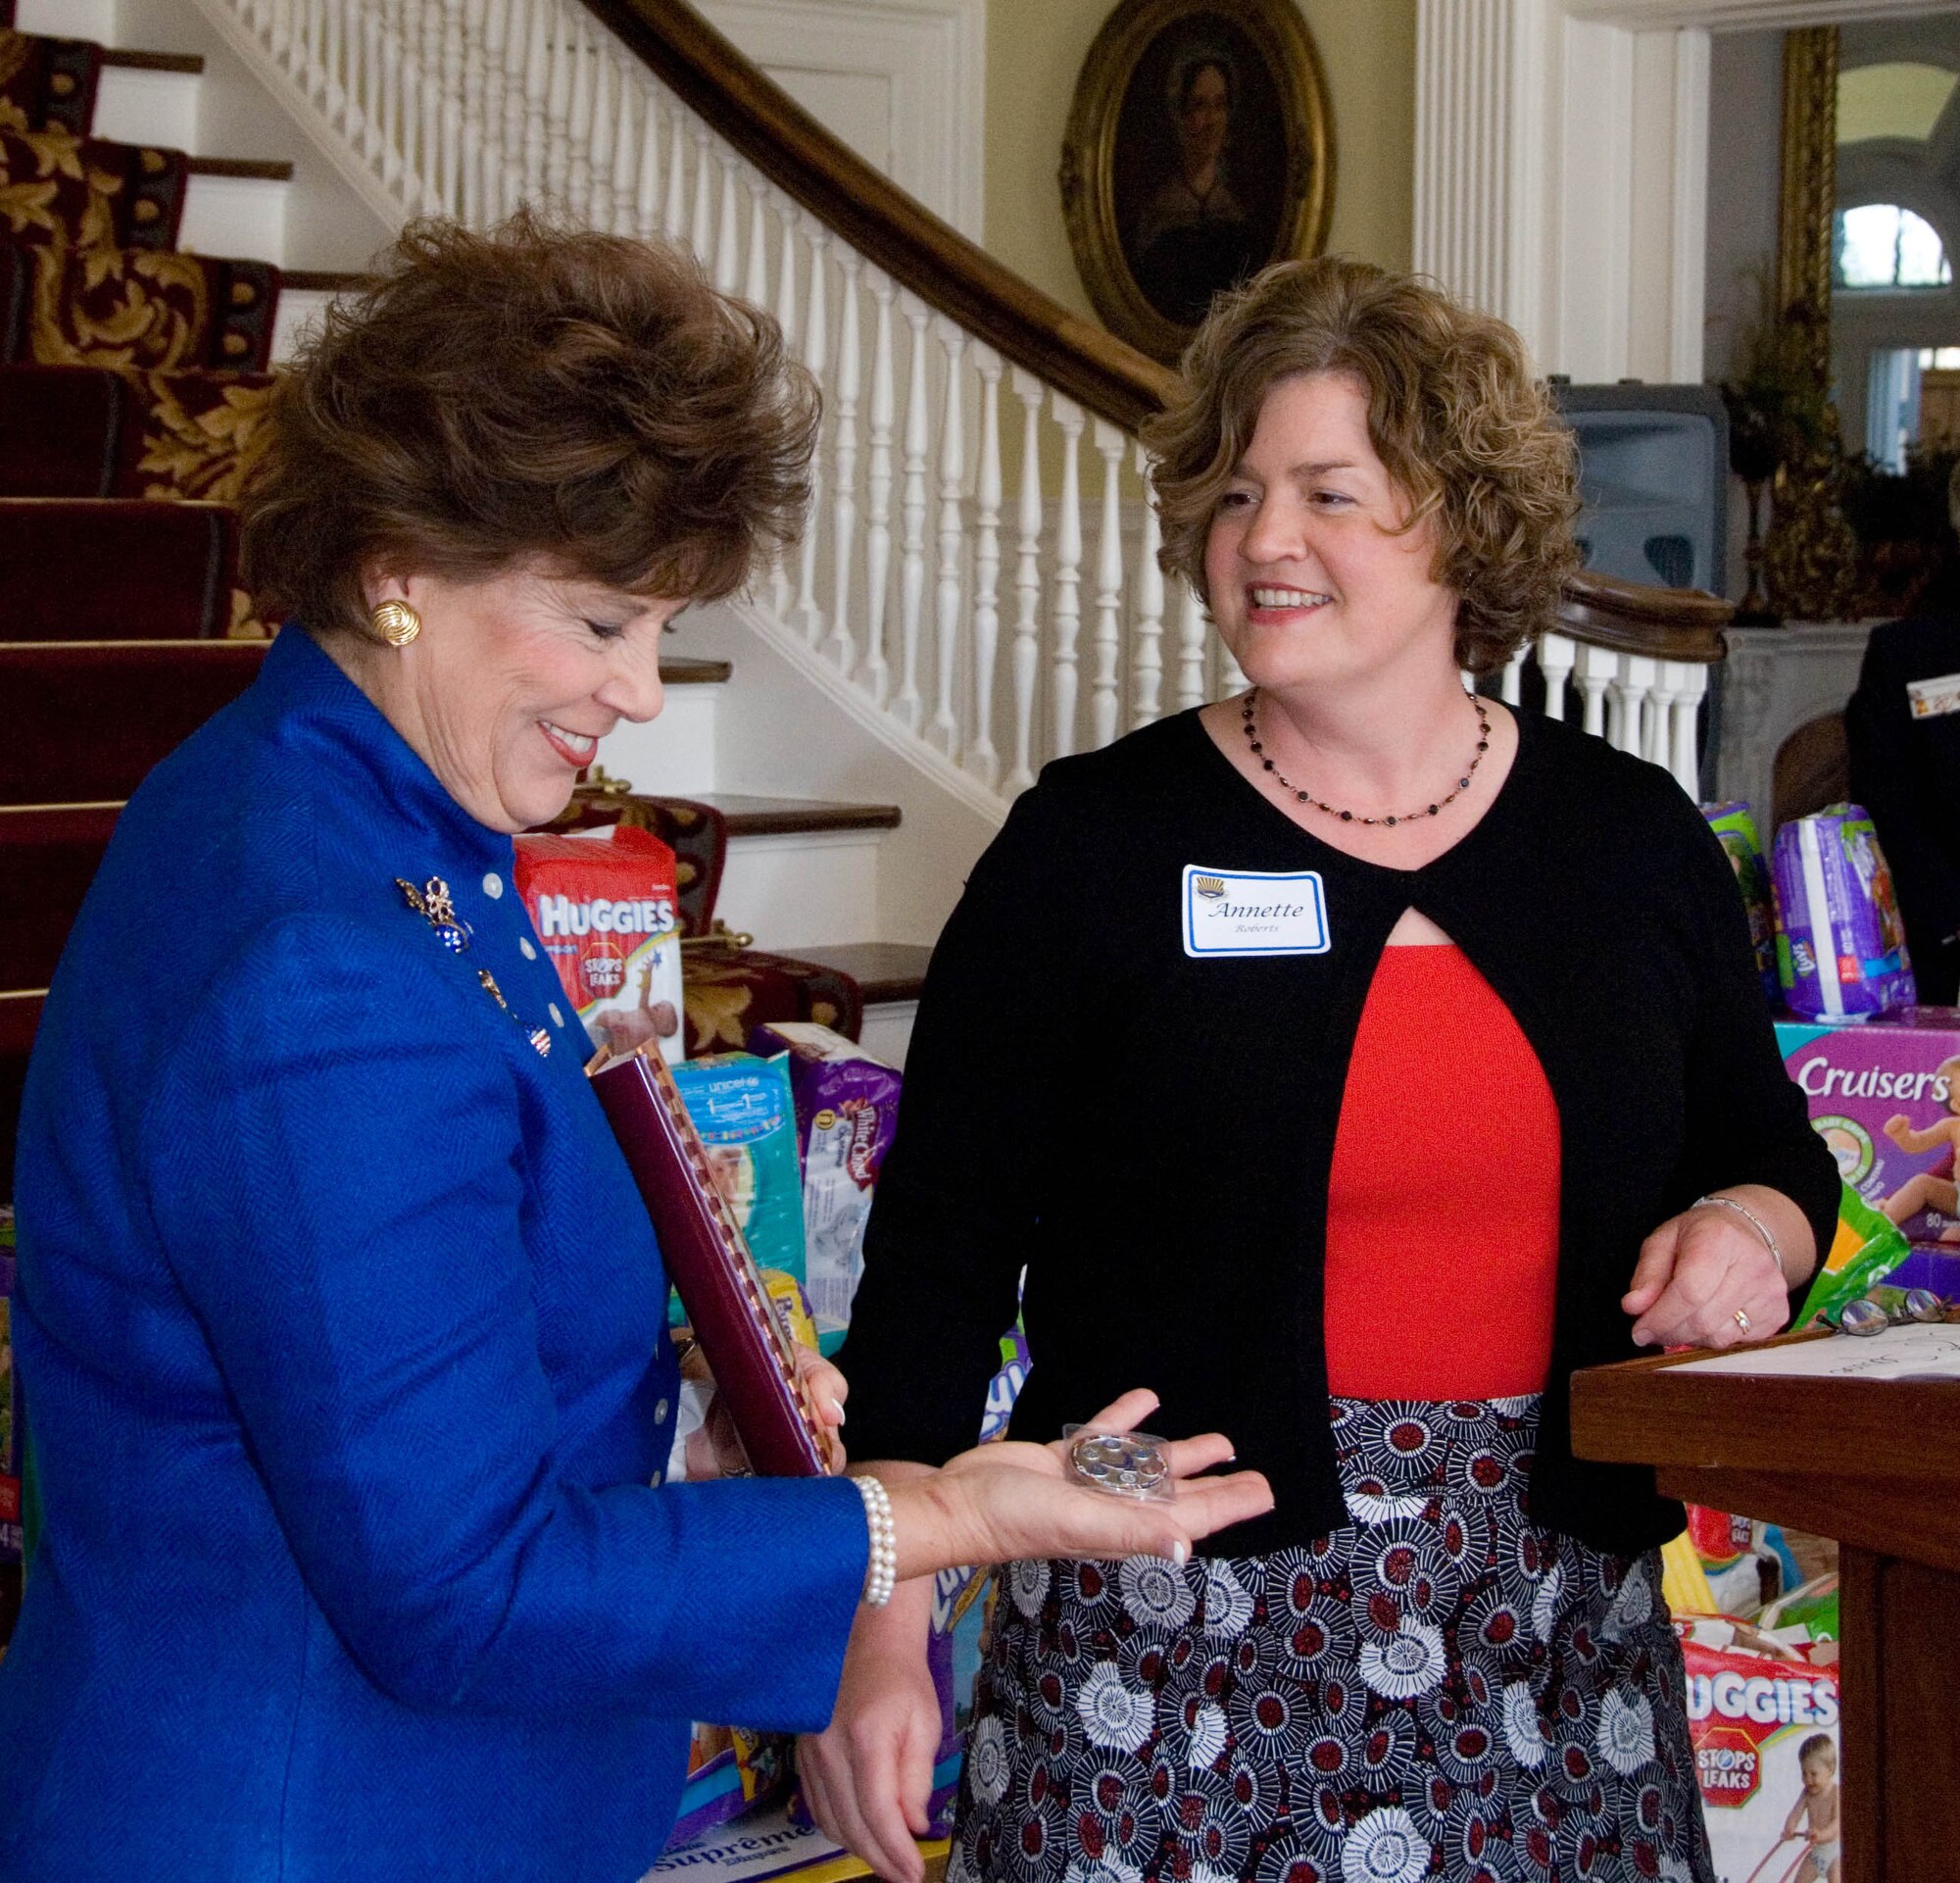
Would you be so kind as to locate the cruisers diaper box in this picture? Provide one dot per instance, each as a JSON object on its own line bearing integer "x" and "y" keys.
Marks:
{"x": 1885, "y": 1098}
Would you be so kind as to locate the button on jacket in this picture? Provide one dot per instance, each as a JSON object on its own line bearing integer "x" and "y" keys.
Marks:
{"x": 342, "y": 1336}
{"x": 1150, "y": 1134}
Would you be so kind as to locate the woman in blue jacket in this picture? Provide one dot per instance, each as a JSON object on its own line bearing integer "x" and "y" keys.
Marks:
{"x": 341, "y": 1325}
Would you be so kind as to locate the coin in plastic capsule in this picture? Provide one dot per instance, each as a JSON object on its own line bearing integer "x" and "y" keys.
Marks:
{"x": 1122, "y": 1464}
{"x": 1863, "y": 1318}
{"x": 1921, "y": 1304}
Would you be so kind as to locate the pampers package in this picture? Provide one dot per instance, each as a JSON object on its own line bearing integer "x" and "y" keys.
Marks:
{"x": 742, "y": 1107}
{"x": 847, "y": 1107}
{"x": 1885, "y": 1098}
{"x": 1762, "y": 1718}
{"x": 604, "y": 908}
{"x": 1840, "y": 945}
{"x": 1735, "y": 828}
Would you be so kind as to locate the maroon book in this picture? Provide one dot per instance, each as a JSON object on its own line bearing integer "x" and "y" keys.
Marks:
{"x": 707, "y": 1254}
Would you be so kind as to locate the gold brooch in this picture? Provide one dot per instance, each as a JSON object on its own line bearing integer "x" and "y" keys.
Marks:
{"x": 432, "y": 901}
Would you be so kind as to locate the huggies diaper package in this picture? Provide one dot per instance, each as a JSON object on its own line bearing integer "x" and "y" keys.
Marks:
{"x": 1885, "y": 1098}
{"x": 1762, "y": 1712}
{"x": 743, "y": 1108}
{"x": 1841, "y": 943}
{"x": 1735, "y": 827}
{"x": 606, "y": 910}
{"x": 847, "y": 1107}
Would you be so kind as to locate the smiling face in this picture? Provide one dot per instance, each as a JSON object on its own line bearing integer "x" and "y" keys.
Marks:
{"x": 1819, "y": 1769}
{"x": 512, "y": 681}
{"x": 1313, "y": 583}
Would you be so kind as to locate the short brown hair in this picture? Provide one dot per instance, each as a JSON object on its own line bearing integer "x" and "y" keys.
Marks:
{"x": 1465, "y": 430}
{"x": 530, "y": 392}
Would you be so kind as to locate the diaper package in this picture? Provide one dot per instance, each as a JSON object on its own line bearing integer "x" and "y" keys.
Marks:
{"x": 1885, "y": 1098}
{"x": 1840, "y": 945}
{"x": 742, "y": 1107}
{"x": 606, "y": 910}
{"x": 1762, "y": 1710}
{"x": 847, "y": 1107}
{"x": 1735, "y": 827}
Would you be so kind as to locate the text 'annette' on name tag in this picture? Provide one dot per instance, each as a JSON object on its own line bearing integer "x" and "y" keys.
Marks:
{"x": 1252, "y": 911}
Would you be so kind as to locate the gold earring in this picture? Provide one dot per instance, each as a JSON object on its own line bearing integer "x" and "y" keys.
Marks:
{"x": 396, "y": 622}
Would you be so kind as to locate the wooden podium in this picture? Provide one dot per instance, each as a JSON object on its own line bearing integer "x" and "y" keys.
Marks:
{"x": 1876, "y": 1463}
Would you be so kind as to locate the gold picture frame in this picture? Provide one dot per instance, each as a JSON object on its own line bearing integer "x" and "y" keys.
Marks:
{"x": 1199, "y": 147}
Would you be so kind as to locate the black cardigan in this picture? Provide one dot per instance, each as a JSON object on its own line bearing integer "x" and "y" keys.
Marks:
{"x": 1150, "y": 1134}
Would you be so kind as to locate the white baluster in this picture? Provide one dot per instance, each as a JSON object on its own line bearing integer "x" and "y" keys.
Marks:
{"x": 370, "y": 26}
{"x": 429, "y": 91}
{"x": 844, "y": 445}
{"x": 1510, "y": 689}
{"x": 1593, "y": 675}
{"x": 450, "y": 186}
{"x": 537, "y": 100}
{"x": 1147, "y": 663}
{"x": 578, "y": 123}
{"x": 786, "y": 323}
{"x": 1690, "y": 686}
{"x": 508, "y": 127}
{"x": 1190, "y": 647}
{"x": 1027, "y": 582}
{"x": 1067, "y": 577}
{"x": 816, "y": 343}
{"x": 647, "y": 187}
{"x": 674, "y": 222}
{"x": 1657, "y": 747}
{"x": 1556, "y": 656}
{"x": 982, "y": 759}
{"x": 1105, "y": 702}
{"x": 756, "y": 283}
{"x": 393, "y": 170}
{"x": 943, "y": 730}
{"x": 700, "y": 231}
{"x": 605, "y": 84}
{"x": 1637, "y": 674}
{"x": 626, "y": 146}
{"x": 912, "y": 557}
{"x": 279, "y": 30}
{"x": 333, "y": 43}
{"x": 496, "y": 22}
{"x": 878, "y": 491}
{"x": 558, "y": 115}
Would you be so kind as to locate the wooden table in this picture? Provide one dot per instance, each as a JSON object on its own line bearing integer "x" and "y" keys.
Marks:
{"x": 1874, "y": 1464}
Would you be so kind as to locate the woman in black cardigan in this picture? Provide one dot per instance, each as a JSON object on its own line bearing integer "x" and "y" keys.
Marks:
{"x": 1377, "y": 1057}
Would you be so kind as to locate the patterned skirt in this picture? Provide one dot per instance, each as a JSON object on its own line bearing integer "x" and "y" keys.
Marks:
{"x": 1439, "y": 1689}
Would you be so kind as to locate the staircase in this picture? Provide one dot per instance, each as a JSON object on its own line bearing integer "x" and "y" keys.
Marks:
{"x": 976, "y": 591}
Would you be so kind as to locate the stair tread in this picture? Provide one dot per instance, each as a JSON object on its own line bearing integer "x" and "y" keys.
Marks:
{"x": 762, "y": 817}
{"x": 325, "y": 280}
{"x": 269, "y": 170}
{"x": 885, "y": 971}
{"x": 131, "y": 60}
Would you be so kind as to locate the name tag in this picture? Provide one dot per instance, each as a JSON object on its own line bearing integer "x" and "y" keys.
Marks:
{"x": 1252, "y": 911}
{"x": 1928, "y": 699}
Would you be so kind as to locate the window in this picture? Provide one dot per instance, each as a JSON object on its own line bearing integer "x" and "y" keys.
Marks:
{"x": 1881, "y": 245}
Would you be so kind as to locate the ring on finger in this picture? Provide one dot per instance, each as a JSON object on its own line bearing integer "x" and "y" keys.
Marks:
{"x": 1742, "y": 1320}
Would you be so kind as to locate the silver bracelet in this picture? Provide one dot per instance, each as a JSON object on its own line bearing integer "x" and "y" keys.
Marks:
{"x": 1755, "y": 1222}
{"x": 881, "y": 1574}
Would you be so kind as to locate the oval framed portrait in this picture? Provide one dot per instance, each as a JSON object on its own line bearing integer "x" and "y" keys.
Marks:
{"x": 1200, "y": 148}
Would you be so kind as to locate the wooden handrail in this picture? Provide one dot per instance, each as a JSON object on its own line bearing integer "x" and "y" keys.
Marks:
{"x": 880, "y": 221}
{"x": 1630, "y": 617}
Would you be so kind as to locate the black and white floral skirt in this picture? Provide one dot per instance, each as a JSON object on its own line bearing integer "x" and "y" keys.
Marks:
{"x": 1439, "y": 1689}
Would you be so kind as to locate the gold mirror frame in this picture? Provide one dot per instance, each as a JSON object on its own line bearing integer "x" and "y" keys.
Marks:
{"x": 1280, "y": 35}
{"x": 1808, "y": 207}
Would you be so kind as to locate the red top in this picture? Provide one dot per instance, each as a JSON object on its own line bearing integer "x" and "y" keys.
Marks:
{"x": 1443, "y": 1202}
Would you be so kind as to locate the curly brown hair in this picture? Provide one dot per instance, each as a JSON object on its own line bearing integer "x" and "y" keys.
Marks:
{"x": 535, "y": 391}
{"x": 1465, "y": 430}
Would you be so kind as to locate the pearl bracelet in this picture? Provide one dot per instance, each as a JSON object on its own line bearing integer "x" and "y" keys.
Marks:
{"x": 1755, "y": 1222}
{"x": 881, "y": 1574}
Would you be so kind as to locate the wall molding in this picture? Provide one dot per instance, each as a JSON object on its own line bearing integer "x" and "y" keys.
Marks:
{"x": 931, "y": 54}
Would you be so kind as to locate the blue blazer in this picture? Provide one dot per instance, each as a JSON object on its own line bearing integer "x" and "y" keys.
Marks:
{"x": 342, "y": 1336}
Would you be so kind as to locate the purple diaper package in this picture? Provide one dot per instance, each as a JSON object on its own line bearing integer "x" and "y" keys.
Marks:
{"x": 847, "y": 1107}
{"x": 1734, "y": 829}
{"x": 1885, "y": 1099}
{"x": 1840, "y": 945}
